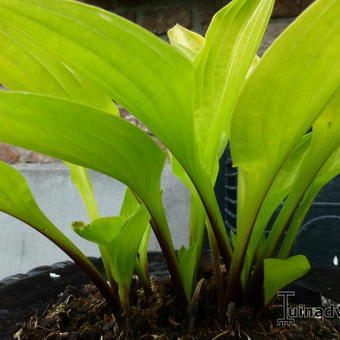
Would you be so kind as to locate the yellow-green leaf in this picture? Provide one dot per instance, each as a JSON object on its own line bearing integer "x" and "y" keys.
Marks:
{"x": 279, "y": 273}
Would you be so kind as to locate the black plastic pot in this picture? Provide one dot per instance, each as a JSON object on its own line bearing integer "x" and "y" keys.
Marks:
{"x": 24, "y": 295}
{"x": 320, "y": 281}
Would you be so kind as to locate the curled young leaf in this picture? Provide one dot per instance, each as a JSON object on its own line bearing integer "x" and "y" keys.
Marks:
{"x": 124, "y": 248}
{"x": 101, "y": 230}
{"x": 188, "y": 42}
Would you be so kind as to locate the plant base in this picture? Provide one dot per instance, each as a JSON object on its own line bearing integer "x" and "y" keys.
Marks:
{"x": 83, "y": 314}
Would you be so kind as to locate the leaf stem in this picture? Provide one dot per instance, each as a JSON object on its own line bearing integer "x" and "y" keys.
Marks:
{"x": 170, "y": 257}
{"x": 217, "y": 272}
{"x": 108, "y": 293}
{"x": 60, "y": 240}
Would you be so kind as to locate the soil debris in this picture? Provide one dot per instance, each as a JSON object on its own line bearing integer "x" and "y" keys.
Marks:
{"x": 84, "y": 315}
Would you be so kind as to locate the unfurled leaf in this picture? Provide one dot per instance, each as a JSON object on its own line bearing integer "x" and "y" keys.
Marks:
{"x": 231, "y": 43}
{"x": 90, "y": 138}
{"x": 196, "y": 96}
{"x": 325, "y": 141}
{"x": 139, "y": 71}
{"x": 279, "y": 273}
{"x": 85, "y": 136}
{"x": 272, "y": 114}
{"x": 330, "y": 170}
{"x": 318, "y": 167}
{"x": 280, "y": 189}
{"x": 27, "y": 65}
{"x": 17, "y": 200}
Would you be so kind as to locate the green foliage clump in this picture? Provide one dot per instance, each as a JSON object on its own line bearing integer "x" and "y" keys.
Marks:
{"x": 67, "y": 65}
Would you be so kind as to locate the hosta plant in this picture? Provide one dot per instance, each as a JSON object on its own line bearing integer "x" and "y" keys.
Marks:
{"x": 68, "y": 65}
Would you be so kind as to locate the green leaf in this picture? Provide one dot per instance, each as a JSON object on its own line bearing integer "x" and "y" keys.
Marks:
{"x": 28, "y": 65}
{"x": 17, "y": 200}
{"x": 83, "y": 135}
{"x": 82, "y": 182}
{"x": 282, "y": 186}
{"x": 330, "y": 170}
{"x": 315, "y": 170}
{"x": 143, "y": 251}
{"x": 141, "y": 72}
{"x": 279, "y": 273}
{"x": 129, "y": 205}
{"x": 187, "y": 267}
{"x": 101, "y": 230}
{"x": 88, "y": 137}
{"x": 188, "y": 42}
{"x": 231, "y": 43}
{"x": 285, "y": 98}
{"x": 124, "y": 248}
{"x": 325, "y": 140}
{"x": 284, "y": 64}
{"x": 255, "y": 62}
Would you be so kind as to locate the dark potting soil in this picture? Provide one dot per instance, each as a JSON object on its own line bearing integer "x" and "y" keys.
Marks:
{"x": 24, "y": 295}
{"x": 81, "y": 313}
{"x": 85, "y": 316}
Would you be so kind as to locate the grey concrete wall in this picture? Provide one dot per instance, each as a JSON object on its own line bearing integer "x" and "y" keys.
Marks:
{"x": 22, "y": 248}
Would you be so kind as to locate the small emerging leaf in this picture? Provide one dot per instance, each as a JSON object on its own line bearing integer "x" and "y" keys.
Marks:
{"x": 101, "y": 230}
{"x": 129, "y": 205}
{"x": 279, "y": 273}
{"x": 187, "y": 267}
{"x": 188, "y": 42}
{"x": 124, "y": 248}
{"x": 81, "y": 179}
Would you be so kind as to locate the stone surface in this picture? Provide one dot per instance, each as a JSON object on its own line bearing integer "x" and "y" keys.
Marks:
{"x": 9, "y": 153}
{"x": 159, "y": 20}
{"x": 290, "y": 8}
{"x": 132, "y": 2}
{"x": 209, "y": 8}
{"x": 34, "y": 157}
{"x": 132, "y": 119}
{"x": 128, "y": 14}
{"x": 274, "y": 29}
